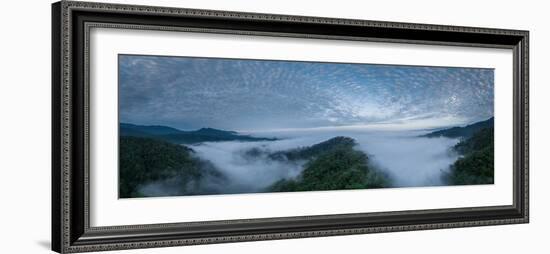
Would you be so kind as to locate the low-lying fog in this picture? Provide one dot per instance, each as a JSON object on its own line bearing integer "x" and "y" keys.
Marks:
{"x": 410, "y": 160}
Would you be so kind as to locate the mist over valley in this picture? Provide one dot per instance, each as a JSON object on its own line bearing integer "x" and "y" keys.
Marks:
{"x": 228, "y": 162}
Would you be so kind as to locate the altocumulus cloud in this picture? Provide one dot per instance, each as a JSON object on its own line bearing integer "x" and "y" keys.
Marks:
{"x": 234, "y": 94}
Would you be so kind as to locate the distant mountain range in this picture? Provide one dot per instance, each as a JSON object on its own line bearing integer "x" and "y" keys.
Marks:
{"x": 184, "y": 137}
{"x": 462, "y": 132}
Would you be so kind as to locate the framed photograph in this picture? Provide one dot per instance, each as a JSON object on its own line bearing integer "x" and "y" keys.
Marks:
{"x": 181, "y": 126}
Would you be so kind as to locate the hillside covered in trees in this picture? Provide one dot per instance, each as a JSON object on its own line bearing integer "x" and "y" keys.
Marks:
{"x": 150, "y": 167}
{"x": 331, "y": 165}
{"x": 144, "y": 161}
{"x": 476, "y": 166}
{"x": 476, "y": 150}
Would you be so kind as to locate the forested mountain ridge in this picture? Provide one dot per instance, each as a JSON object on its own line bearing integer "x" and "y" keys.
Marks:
{"x": 462, "y": 132}
{"x": 308, "y": 152}
{"x": 145, "y": 161}
{"x": 332, "y": 165}
{"x": 476, "y": 166}
{"x": 176, "y": 136}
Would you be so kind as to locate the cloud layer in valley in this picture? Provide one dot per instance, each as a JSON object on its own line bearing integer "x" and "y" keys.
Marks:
{"x": 421, "y": 161}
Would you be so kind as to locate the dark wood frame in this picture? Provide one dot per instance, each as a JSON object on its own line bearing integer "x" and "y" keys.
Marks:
{"x": 71, "y": 22}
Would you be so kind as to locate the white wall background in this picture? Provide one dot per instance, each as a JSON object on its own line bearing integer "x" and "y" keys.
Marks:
{"x": 25, "y": 125}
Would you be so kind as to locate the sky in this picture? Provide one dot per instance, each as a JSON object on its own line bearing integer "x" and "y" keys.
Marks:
{"x": 261, "y": 95}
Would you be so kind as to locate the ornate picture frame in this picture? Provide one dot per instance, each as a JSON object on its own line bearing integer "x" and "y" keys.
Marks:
{"x": 71, "y": 197}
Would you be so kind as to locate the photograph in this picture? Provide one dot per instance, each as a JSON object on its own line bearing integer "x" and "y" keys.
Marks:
{"x": 210, "y": 126}
{"x": 184, "y": 124}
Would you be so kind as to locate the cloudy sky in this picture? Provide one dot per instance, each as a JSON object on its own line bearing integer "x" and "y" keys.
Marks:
{"x": 190, "y": 93}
